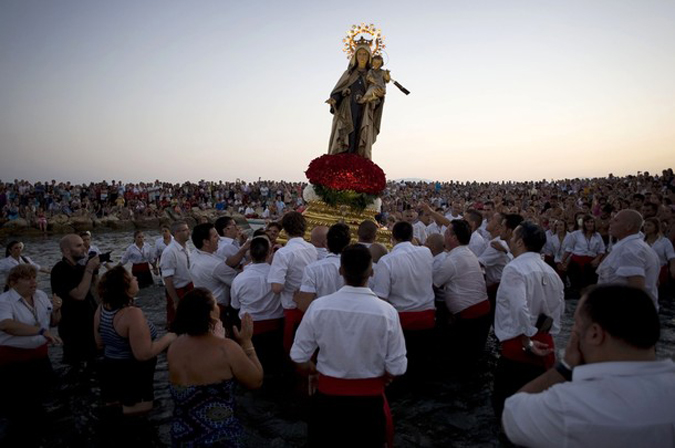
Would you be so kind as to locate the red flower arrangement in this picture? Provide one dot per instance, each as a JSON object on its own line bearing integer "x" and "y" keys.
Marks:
{"x": 347, "y": 172}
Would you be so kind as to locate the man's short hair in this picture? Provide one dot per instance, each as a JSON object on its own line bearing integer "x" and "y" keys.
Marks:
{"x": 221, "y": 223}
{"x": 274, "y": 224}
{"x": 260, "y": 248}
{"x": 462, "y": 230}
{"x": 294, "y": 224}
{"x": 355, "y": 261}
{"x": 512, "y": 220}
{"x": 176, "y": 225}
{"x": 474, "y": 216}
{"x": 200, "y": 233}
{"x": 367, "y": 231}
{"x": 533, "y": 236}
{"x": 625, "y": 312}
{"x": 338, "y": 237}
{"x": 402, "y": 231}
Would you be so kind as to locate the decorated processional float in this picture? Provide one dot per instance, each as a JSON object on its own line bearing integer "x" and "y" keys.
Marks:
{"x": 345, "y": 185}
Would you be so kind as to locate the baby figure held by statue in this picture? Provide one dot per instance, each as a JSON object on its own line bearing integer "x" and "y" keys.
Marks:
{"x": 376, "y": 79}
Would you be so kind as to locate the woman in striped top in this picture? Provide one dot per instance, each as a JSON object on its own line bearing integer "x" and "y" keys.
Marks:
{"x": 129, "y": 342}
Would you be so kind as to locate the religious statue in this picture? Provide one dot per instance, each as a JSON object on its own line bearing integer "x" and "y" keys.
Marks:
{"x": 357, "y": 99}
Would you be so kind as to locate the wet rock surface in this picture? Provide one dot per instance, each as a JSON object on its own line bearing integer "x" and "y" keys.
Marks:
{"x": 444, "y": 410}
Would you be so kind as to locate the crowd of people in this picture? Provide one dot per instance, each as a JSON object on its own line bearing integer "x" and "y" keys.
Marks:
{"x": 354, "y": 319}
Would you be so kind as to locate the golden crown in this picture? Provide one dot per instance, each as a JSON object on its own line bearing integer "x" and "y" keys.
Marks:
{"x": 351, "y": 42}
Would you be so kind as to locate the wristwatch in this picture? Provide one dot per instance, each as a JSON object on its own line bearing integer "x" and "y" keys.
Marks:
{"x": 41, "y": 332}
{"x": 564, "y": 370}
{"x": 528, "y": 348}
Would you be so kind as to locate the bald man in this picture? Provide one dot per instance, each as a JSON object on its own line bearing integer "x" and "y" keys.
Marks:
{"x": 318, "y": 239}
{"x": 72, "y": 282}
{"x": 632, "y": 261}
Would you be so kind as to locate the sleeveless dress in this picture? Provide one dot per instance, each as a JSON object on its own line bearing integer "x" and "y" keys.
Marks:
{"x": 124, "y": 378}
{"x": 204, "y": 416}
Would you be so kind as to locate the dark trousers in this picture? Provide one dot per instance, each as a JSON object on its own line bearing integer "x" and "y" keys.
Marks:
{"x": 347, "y": 421}
{"x": 510, "y": 376}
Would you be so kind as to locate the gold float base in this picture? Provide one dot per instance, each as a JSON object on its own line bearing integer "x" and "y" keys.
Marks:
{"x": 318, "y": 213}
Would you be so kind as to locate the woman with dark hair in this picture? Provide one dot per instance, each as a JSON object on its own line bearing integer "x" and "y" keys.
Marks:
{"x": 141, "y": 256}
{"x": 129, "y": 342}
{"x": 584, "y": 250}
{"x": 203, "y": 367}
{"x": 26, "y": 315}
{"x": 14, "y": 257}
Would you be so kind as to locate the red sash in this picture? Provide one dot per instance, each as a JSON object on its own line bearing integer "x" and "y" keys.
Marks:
{"x": 14, "y": 355}
{"x": 170, "y": 309}
{"x": 267, "y": 325}
{"x": 360, "y": 387}
{"x": 513, "y": 350}
{"x": 417, "y": 320}
{"x": 140, "y": 268}
{"x": 291, "y": 322}
{"x": 664, "y": 273}
{"x": 475, "y": 311}
{"x": 582, "y": 261}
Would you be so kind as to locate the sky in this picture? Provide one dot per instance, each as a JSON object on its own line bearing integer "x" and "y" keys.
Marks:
{"x": 224, "y": 90}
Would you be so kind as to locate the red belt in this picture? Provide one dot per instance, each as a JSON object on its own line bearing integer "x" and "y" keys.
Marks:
{"x": 140, "y": 267}
{"x": 417, "y": 320}
{"x": 582, "y": 260}
{"x": 513, "y": 349}
{"x": 361, "y": 387}
{"x": 267, "y": 325}
{"x": 14, "y": 355}
{"x": 475, "y": 311}
{"x": 293, "y": 317}
{"x": 664, "y": 273}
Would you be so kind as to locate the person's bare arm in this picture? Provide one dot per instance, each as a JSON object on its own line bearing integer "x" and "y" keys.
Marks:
{"x": 277, "y": 288}
{"x": 234, "y": 260}
{"x": 81, "y": 291}
{"x": 245, "y": 364}
{"x": 303, "y": 299}
{"x": 171, "y": 290}
{"x": 97, "y": 322}
{"x": 142, "y": 346}
{"x": 636, "y": 281}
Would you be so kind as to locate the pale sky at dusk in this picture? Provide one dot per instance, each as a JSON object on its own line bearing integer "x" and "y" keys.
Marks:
{"x": 220, "y": 90}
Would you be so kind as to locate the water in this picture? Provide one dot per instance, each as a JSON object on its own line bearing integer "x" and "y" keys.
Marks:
{"x": 444, "y": 411}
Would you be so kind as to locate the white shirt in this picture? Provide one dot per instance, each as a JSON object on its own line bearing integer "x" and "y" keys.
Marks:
{"x": 528, "y": 287}
{"x": 607, "y": 404}
{"x": 288, "y": 266}
{"x": 160, "y": 246}
{"x": 211, "y": 272}
{"x": 404, "y": 278}
{"x": 12, "y": 306}
{"x": 420, "y": 231}
{"x": 462, "y": 279}
{"x": 477, "y": 244}
{"x": 439, "y": 293}
{"x": 435, "y": 228}
{"x": 664, "y": 249}
{"x": 577, "y": 243}
{"x": 136, "y": 255}
{"x": 554, "y": 247}
{"x": 322, "y": 277}
{"x": 494, "y": 260}
{"x": 8, "y": 263}
{"x": 226, "y": 247}
{"x": 321, "y": 253}
{"x": 631, "y": 257}
{"x": 251, "y": 293}
{"x": 338, "y": 325}
{"x": 175, "y": 262}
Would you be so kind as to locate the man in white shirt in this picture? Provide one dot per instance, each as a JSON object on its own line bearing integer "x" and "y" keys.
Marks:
{"x": 404, "y": 278}
{"x": 322, "y": 277}
{"x": 461, "y": 278}
{"x": 349, "y": 407}
{"x": 632, "y": 261}
{"x": 436, "y": 244}
{"x": 494, "y": 258}
{"x": 609, "y": 389}
{"x": 477, "y": 244}
{"x": 252, "y": 294}
{"x": 419, "y": 229}
{"x": 175, "y": 265}
{"x": 287, "y": 268}
{"x": 210, "y": 271}
{"x": 530, "y": 303}
{"x": 229, "y": 248}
